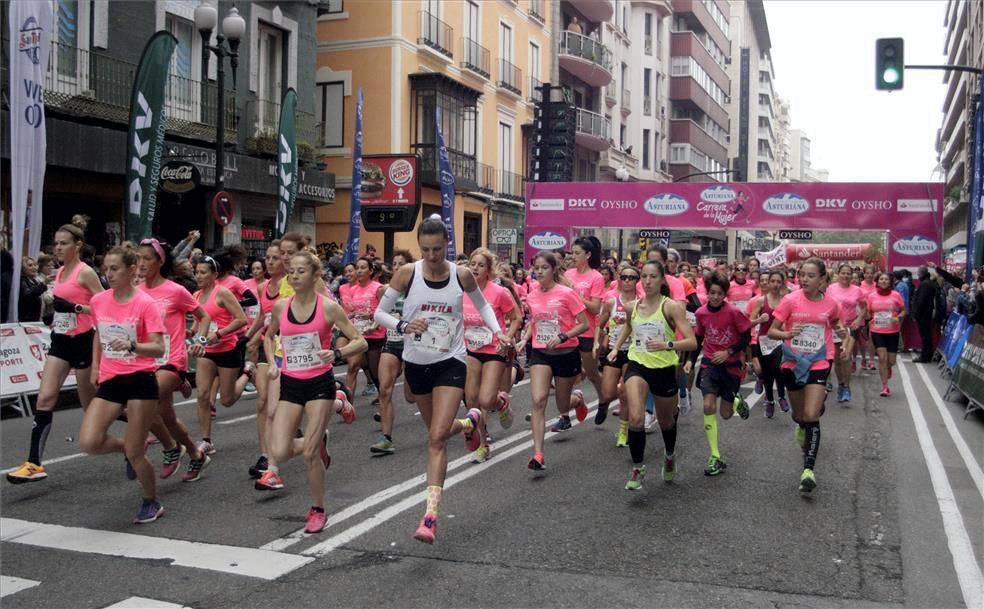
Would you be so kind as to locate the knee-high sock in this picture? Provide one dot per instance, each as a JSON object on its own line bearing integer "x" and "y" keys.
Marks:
{"x": 669, "y": 438}
{"x": 683, "y": 381}
{"x": 812, "y": 444}
{"x": 433, "y": 499}
{"x": 637, "y": 445}
{"x": 711, "y": 430}
{"x": 39, "y": 435}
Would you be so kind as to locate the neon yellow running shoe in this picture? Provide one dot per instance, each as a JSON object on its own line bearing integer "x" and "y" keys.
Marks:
{"x": 669, "y": 468}
{"x": 482, "y": 454}
{"x": 635, "y": 478}
{"x": 622, "y": 438}
{"x": 808, "y": 481}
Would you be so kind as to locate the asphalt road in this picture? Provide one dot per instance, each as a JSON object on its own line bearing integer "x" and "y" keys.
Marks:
{"x": 896, "y": 520}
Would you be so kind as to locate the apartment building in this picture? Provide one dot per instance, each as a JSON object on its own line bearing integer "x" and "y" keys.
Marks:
{"x": 800, "y": 162}
{"x": 964, "y": 45}
{"x": 784, "y": 164}
{"x": 700, "y": 90}
{"x": 93, "y": 57}
{"x": 478, "y": 61}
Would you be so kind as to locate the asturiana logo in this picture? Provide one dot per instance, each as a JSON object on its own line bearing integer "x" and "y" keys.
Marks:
{"x": 718, "y": 194}
{"x": 666, "y": 205}
{"x": 915, "y": 245}
{"x": 548, "y": 241}
{"x": 786, "y": 204}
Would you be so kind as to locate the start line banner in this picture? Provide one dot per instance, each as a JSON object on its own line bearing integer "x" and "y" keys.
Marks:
{"x": 23, "y": 349}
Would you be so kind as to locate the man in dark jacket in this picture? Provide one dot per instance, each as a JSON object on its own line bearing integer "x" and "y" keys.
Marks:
{"x": 923, "y": 307}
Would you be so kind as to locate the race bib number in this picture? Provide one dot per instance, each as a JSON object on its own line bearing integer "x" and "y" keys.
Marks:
{"x": 440, "y": 332}
{"x": 108, "y": 332}
{"x": 644, "y": 332}
{"x": 809, "y": 340}
{"x": 394, "y": 336}
{"x": 883, "y": 319}
{"x": 301, "y": 351}
{"x": 162, "y": 360}
{"x": 768, "y": 345}
{"x": 252, "y": 312}
{"x": 692, "y": 318}
{"x": 546, "y": 331}
{"x": 477, "y": 337}
{"x": 64, "y": 323}
{"x": 362, "y": 324}
{"x": 741, "y": 305}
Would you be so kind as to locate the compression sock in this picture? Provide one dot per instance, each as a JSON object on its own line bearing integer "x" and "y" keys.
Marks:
{"x": 682, "y": 383}
{"x": 769, "y": 395}
{"x": 39, "y": 435}
{"x": 433, "y": 499}
{"x": 637, "y": 445}
{"x": 812, "y": 444}
{"x": 711, "y": 430}
{"x": 669, "y": 438}
{"x": 650, "y": 404}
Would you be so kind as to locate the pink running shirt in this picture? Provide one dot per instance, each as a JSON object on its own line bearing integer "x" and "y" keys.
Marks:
{"x": 303, "y": 341}
{"x": 72, "y": 324}
{"x": 478, "y": 338}
{"x": 590, "y": 285}
{"x": 848, "y": 298}
{"x": 135, "y": 320}
{"x": 553, "y": 312}
{"x": 174, "y": 302}
{"x": 721, "y": 329}
{"x": 360, "y": 304}
{"x": 884, "y": 311}
{"x": 817, "y": 320}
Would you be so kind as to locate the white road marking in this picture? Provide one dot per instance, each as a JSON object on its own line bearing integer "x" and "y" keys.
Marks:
{"x": 968, "y": 457}
{"x": 12, "y": 585}
{"x": 249, "y": 562}
{"x": 964, "y": 562}
{"x": 139, "y": 602}
{"x": 248, "y": 417}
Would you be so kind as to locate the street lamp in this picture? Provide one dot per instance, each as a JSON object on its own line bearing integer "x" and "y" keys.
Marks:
{"x": 233, "y": 28}
{"x": 622, "y": 175}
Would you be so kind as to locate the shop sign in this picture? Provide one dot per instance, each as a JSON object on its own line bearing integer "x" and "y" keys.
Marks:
{"x": 504, "y": 236}
{"x": 178, "y": 177}
{"x": 254, "y": 234}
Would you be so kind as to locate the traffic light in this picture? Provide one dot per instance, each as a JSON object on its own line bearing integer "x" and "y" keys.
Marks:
{"x": 553, "y": 145}
{"x": 889, "y": 66}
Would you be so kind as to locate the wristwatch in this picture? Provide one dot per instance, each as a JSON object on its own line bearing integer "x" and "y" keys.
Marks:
{"x": 78, "y": 308}
{"x": 133, "y": 345}
{"x": 338, "y": 354}
{"x": 563, "y": 337}
{"x": 669, "y": 346}
{"x": 401, "y": 326}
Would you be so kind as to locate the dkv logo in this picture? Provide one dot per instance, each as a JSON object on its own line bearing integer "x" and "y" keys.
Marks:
{"x": 548, "y": 241}
{"x": 666, "y": 205}
{"x": 915, "y": 245}
{"x": 786, "y": 204}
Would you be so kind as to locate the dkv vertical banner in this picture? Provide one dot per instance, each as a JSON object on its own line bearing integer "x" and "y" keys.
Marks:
{"x": 355, "y": 219}
{"x": 30, "y": 41}
{"x": 145, "y": 141}
{"x": 447, "y": 188}
{"x": 287, "y": 162}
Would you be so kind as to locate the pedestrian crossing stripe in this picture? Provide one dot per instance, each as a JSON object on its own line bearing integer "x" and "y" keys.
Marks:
{"x": 12, "y": 585}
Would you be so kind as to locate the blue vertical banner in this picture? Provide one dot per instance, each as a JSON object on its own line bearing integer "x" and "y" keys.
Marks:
{"x": 355, "y": 220}
{"x": 447, "y": 187}
{"x": 975, "y": 216}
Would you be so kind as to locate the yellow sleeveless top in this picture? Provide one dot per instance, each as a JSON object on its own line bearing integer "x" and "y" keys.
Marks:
{"x": 652, "y": 326}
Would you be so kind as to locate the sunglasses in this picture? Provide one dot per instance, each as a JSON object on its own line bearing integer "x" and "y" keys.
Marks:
{"x": 741, "y": 269}
{"x": 628, "y": 277}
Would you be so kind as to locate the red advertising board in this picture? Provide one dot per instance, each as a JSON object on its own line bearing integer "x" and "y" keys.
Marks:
{"x": 390, "y": 180}
{"x": 828, "y": 251}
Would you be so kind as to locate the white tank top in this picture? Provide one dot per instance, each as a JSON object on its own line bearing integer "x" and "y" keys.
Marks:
{"x": 440, "y": 305}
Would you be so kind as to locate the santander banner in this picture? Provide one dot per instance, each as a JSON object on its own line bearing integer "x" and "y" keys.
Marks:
{"x": 911, "y": 213}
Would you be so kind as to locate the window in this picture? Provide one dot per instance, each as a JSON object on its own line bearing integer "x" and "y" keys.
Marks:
{"x": 182, "y": 86}
{"x": 647, "y": 76}
{"x": 648, "y": 34}
{"x": 430, "y": 91}
{"x": 505, "y": 147}
{"x": 270, "y": 76}
{"x": 645, "y": 148}
{"x": 622, "y": 135}
{"x": 534, "y": 66}
{"x": 505, "y": 42}
{"x": 67, "y": 37}
{"x": 472, "y": 232}
{"x": 330, "y": 111}
{"x": 330, "y": 7}
{"x": 472, "y": 32}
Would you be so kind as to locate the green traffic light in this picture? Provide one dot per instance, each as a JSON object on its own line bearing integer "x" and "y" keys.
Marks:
{"x": 890, "y": 76}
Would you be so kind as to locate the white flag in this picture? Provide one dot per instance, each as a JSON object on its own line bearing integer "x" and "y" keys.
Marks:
{"x": 772, "y": 258}
{"x": 30, "y": 41}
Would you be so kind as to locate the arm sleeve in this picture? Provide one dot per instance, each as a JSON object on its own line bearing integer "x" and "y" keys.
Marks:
{"x": 248, "y": 299}
{"x": 386, "y": 304}
{"x": 484, "y": 309}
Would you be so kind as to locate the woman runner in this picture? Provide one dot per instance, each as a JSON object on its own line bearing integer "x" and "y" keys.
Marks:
{"x": 610, "y": 323}
{"x": 71, "y": 344}
{"x": 359, "y": 302}
{"x": 886, "y": 310}
{"x": 591, "y": 288}
{"x": 805, "y": 320}
{"x": 767, "y": 354}
{"x": 129, "y": 336}
{"x": 434, "y": 351}
{"x": 852, "y": 304}
{"x": 653, "y": 323}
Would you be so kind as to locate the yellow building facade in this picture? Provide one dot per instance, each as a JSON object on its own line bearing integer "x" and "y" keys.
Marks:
{"x": 479, "y": 61}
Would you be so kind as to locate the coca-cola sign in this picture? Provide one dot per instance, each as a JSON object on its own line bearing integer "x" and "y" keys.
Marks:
{"x": 179, "y": 177}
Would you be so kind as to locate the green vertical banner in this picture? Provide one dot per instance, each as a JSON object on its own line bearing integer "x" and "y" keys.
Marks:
{"x": 286, "y": 162}
{"x": 145, "y": 141}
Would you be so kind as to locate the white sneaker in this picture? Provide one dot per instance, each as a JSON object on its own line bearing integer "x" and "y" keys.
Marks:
{"x": 652, "y": 425}
{"x": 684, "y": 405}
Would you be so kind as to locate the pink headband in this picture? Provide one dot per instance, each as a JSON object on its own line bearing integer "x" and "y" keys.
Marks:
{"x": 154, "y": 243}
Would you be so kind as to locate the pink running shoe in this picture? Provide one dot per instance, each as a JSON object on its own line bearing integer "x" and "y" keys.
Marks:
{"x": 316, "y": 521}
{"x": 269, "y": 481}
{"x": 580, "y": 408}
{"x": 473, "y": 438}
{"x": 346, "y": 410}
{"x": 427, "y": 530}
{"x": 885, "y": 391}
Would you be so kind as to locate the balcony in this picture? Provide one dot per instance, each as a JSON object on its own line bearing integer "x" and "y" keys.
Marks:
{"x": 475, "y": 57}
{"x": 595, "y": 11}
{"x": 686, "y": 131}
{"x": 535, "y": 95}
{"x": 613, "y": 158}
{"x": 510, "y": 186}
{"x": 586, "y": 59}
{"x": 626, "y": 106}
{"x": 610, "y": 99}
{"x": 485, "y": 179}
{"x": 463, "y": 166}
{"x": 510, "y": 77}
{"x": 593, "y": 131}
{"x": 663, "y": 7}
{"x": 536, "y": 10}
{"x": 264, "y": 115}
{"x": 435, "y": 34}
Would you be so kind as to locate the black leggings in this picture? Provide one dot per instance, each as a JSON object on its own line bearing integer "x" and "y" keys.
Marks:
{"x": 770, "y": 372}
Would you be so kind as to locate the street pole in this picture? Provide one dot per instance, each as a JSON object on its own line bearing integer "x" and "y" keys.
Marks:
{"x": 219, "y": 51}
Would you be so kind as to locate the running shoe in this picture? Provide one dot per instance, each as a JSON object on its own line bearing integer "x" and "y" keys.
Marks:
{"x": 206, "y": 447}
{"x": 150, "y": 511}
{"x": 783, "y": 404}
{"x": 529, "y": 417}
{"x": 250, "y": 371}
{"x": 261, "y": 465}
{"x": 770, "y": 409}
{"x": 427, "y": 529}
{"x": 27, "y": 472}
{"x": 652, "y": 425}
{"x": 580, "y": 406}
{"x": 472, "y": 438}
{"x": 536, "y": 463}
{"x": 171, "y": 461}
{"x": 840, "y": 393}
{"x": 325, "y": 457}
{"x": 715, "y": 466}
{"x": 505, "y": 410}
{"x": 759, "y": 386}
{"x": 382, "y": 447}
{"x": 829, "y": 386}
{"x": 740, "y": 406}
{"x": 269, "y": 481}
{"x": 562, "y": 424}
{"x": 669, "y": 468}
{"x": 375, "y": 403}
{"x": 808, "y": 481}
{"x": 885, "y": 391}
{"x": 151, "y": 439}
{"x": 482, "y": 454}
{"x": 622, "y": 438}
{"x": 800, "y": 435}
{"x": 316, "y": 521}
{"x": 370, "y": 390}
{"x": 601, "y": 414}
{"x": 195, "y": 467}
{"x": 377, "y": 417}
{"x": 684, "y": 405}
{"x": 346, "y": 409}
{"x": 847, "y": 394}
{"x": 131, "y": 474}
{"x": 185, "y": 389}
{"x": 616, "y": 411}
{"x": 634, "y": 482}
